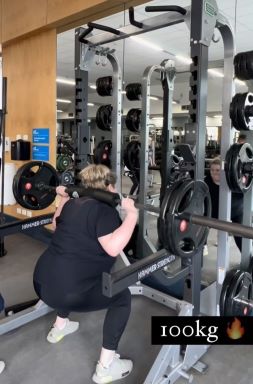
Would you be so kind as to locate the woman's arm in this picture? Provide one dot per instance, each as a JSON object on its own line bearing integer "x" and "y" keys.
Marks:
{"x": 115, "y": 242}
{"x": 64, "y": 198}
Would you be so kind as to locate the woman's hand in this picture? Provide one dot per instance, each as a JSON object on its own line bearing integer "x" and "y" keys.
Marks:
{"x": 128, "y": 206}
{"x": 61, "y": 191}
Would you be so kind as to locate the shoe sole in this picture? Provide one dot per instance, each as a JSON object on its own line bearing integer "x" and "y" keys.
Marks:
{"x": 109, "y": 379}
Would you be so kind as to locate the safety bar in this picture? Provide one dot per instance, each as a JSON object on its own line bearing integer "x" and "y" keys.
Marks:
{"x": 165, "y": 8}
{"x": 92, "y": 26}
{"x": 132, "y": 20}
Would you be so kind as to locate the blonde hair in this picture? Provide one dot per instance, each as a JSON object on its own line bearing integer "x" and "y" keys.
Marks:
{"x": 97, "y": 176}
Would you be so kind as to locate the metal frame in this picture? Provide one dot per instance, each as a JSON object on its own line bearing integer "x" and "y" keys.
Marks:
{"x": 84, "y": 57}
{"x": 167, "y": 72}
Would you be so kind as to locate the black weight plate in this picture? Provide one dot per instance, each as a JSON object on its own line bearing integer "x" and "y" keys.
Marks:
{"x": 243, "y": 66}
{"x": 240, "y": 289}
{"x": 132, "y": 155}
{"x": 162, "y": 222}
{"x": 237, "y": 179}
{"x": 25, "y": 181}
{"x": 104, "y": 117}
{"x": 250, "y": 268}
{"x": 192, "y": 197}
{"x": 133, "y": 120}
{"x": 102, "y": 153}
{"x": 249, "y": 59}
{"x": 67, "y": 178}
{"x": 224, "y": 290}
{"x": 233, "y": 112}
{"x": 133, "y": 91}
{"x": 104, "y": 86}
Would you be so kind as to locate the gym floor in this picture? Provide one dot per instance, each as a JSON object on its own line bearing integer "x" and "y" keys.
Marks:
{"x": 30, "y": 359}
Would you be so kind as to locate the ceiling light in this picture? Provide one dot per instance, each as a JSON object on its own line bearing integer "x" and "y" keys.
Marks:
{"x": 157, "y": 118}
{"x": 174, "y": 102}
{"x": 93, "y": 86}
{"x": 59, "y": 111}
{"x": 147, "y": 43}
{"x": 214, "y": 72}
{"x": 65, "y": 81}
{"x": 123, "y": 92}
{"x": 90, "y": 104}
{"x": 184, "y": 59}
{"x": 154, "y": 98}
{"x": 218, "y": 116}
{"x": 63, "y": 101}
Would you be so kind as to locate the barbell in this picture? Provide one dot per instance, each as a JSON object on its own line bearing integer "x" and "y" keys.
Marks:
{"x": 184, "y": 216}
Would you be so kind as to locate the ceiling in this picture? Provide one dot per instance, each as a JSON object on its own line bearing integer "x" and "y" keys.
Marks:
{"x": 135, "y": 57}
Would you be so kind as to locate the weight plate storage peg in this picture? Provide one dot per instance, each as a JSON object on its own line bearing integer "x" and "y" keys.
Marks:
{"x": 241, "y": 111}
{"x": 238, "y": 167}
{"x": 26, "y": 182}
{"x": 181, "y": 237}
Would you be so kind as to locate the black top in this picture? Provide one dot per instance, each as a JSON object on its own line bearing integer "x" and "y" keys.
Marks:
{"x": 236, "y": 199}
{"x": 75, "y": 259}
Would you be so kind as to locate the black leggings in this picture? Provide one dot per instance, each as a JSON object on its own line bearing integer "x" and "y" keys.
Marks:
{"x": 118, "y": 309}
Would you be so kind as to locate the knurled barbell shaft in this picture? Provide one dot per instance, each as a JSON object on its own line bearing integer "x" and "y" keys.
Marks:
{"x": 220, "y": 225}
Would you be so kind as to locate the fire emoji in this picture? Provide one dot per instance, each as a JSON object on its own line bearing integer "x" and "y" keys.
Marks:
{"x": 235, "y": 330}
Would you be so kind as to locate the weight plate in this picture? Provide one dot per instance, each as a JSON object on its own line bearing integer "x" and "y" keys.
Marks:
{"x": 104, "y": 86}
{"x": 133, "y": 120}
{"x": 102, "y": 153}
{"x": 238, "y": 293}
{"x": 133, "y": 91}
{"x": 104, "y": 117}
{"x": 239, "y": 179}
{"x": 240, "y": 111}
{"x": 132, "y": 155}
{"x": 27, "y": 178}
{"x": 184, "y": 238}
{"x": 224, "y": 290}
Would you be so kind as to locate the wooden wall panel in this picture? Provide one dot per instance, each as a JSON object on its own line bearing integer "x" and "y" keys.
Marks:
{"x": 21, "y": 17}
{"x": 1, "y": 12}
{"x": 61, "y": 9}
{"x": 30, "y": 68}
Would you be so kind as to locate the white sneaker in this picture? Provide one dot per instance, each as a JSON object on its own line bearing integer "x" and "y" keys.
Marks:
{"x": 55, "y": 334}
{"x": 2, "y": 366}
{"x": 205, "y": 250}
{"x": 118, "y": 369}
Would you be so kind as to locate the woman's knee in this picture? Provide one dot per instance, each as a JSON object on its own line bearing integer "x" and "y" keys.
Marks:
{"x": 123, "y": 298}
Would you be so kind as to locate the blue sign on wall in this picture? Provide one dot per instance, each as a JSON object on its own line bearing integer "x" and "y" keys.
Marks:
{"x": 40, "y": 152}
{"x": 41, "y": 135}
